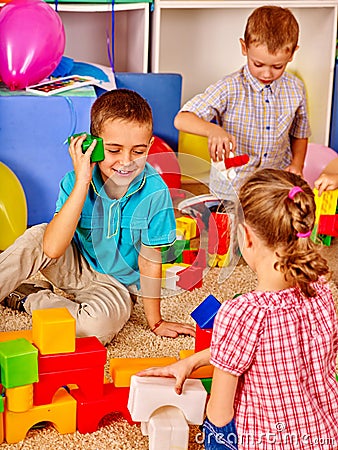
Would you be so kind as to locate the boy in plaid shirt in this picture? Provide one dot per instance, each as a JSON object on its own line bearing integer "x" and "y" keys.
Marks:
{"x": 260, "y": 110}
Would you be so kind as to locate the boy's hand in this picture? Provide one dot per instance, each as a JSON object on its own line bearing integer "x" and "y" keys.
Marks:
{"x": 174, "y": 329}
{"x": 293, "y": 168}
{"x": 326, "y": 182}
{"x": 220, "y": 143}
{"x": 83, "y": 167}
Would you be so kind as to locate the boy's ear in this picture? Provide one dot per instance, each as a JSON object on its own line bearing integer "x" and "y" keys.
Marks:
{"x": 150, "y": 144}
{"x": 291, "y": 57}
{"x": 243, "y": 47}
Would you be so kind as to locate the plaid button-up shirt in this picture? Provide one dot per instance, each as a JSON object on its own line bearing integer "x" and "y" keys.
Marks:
{"x": 283, "y": 348}
{"x": 262, "y": 119}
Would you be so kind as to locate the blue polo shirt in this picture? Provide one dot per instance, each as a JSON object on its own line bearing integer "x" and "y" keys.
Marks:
{"x": 110, "y": 231}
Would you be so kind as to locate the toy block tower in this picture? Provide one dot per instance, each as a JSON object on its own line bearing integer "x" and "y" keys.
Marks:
{"x": 204, "y": 316}
{"x": 326, "y": 205}
{"x": 219, "y": 239}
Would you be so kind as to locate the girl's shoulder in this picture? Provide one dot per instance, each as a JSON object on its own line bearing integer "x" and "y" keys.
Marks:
{"x": 291, "y": 297}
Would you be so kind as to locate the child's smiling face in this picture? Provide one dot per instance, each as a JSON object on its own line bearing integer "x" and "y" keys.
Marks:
{"x": 126, "y": 146}
{"x": 264, "y": 66}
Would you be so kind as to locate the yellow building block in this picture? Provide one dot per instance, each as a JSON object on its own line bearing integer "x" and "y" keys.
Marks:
{"x": 186, "y": 227}
{"x": 54, "y": 331}
{"x": 215, "y": 260}
{"x": 12, "y": 335}
{"x": 121, "y": 369}
{"x": 61, "y": 413}
{"x": 20, "y": 399}
{"x": 201, "y": 372}
{"x": 326, "y": 204}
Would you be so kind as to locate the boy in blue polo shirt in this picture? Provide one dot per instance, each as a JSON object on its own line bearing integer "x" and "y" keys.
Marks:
{"x": 102, "y": 243}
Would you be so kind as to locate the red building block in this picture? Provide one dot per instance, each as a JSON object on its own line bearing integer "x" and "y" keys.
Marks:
{"x": 91, "y": 410}
{"x": 328, "y": 225}
{"x": 236, "y": 161}
{"x": 84, "y": 367}
{"x": 195, "y": 257}
{"x": 219, "y": 234}
{"x": 190, "y": 278}
{"x": 202, "y": 338}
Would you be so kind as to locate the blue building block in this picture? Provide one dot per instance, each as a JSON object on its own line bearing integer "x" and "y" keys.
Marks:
{"x": 205, "y": 313}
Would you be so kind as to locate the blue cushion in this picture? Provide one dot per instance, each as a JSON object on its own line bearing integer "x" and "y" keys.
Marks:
{"x": 163, "y": 92}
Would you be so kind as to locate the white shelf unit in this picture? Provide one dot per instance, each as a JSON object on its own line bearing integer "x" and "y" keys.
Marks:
{"x": 86, "y": 26}
{"x": 200, "y": 40}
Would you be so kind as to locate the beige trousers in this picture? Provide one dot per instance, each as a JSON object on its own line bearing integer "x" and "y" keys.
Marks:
{"x": 101, "y": 305}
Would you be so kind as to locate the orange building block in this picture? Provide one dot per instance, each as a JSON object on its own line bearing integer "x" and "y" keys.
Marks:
{"x": 201, "y": 372}
{"x": 20, "y": 399}
{"x": 121, "y": 369}
{"x": 61, "y": 413}
{"x": 53, "y": 331}
{"x": 2, "y": 431}
{"x": 12, "y": 335}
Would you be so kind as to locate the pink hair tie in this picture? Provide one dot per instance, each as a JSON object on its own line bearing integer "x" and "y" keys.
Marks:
{"x": 293, "y": 191}
{"x": 304, "y": 235}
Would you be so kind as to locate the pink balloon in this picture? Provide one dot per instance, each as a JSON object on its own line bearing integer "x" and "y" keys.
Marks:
{"x": 32, "y": 42}
{"x": 317, "y": 158}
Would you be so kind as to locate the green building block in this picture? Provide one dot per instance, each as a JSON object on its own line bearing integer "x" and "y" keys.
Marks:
{"x": 2, "y": 404}
{"x": 19, "y": 363}
{"x": 173, "y": 253}
{"x": 207, "y": 384}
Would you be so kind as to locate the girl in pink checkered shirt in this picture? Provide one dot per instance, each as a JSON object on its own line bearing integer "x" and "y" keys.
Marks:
{"x": 273, "y": 349}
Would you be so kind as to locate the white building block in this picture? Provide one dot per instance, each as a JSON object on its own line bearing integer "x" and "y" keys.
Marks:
{"x": 147, "y": 394}
{"x": 167, "y": 429}
{"x": 171, "y": 277}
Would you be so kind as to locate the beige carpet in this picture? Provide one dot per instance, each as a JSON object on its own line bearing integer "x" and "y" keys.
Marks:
{"x": 136, "y": 340}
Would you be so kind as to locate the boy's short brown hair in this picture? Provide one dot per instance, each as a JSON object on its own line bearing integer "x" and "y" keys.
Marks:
{"x": 273, "y": 26}
{"x": 120, "y": 104}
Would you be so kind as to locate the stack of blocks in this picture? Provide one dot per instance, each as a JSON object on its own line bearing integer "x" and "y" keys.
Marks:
{"x": 326, "y": 223}
{"x": 49, "y": 375}
{"x": 219, "y": 239}
{"x": 183, "y": 266}
{"x": 204, "y": 316}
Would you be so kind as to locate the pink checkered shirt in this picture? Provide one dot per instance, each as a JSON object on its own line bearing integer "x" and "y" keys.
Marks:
{"x": 283, "y": 348}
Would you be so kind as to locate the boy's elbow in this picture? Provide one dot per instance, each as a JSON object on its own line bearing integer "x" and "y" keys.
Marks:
{"x": 178, "y": 120}
{"x": 51, "y": 250}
